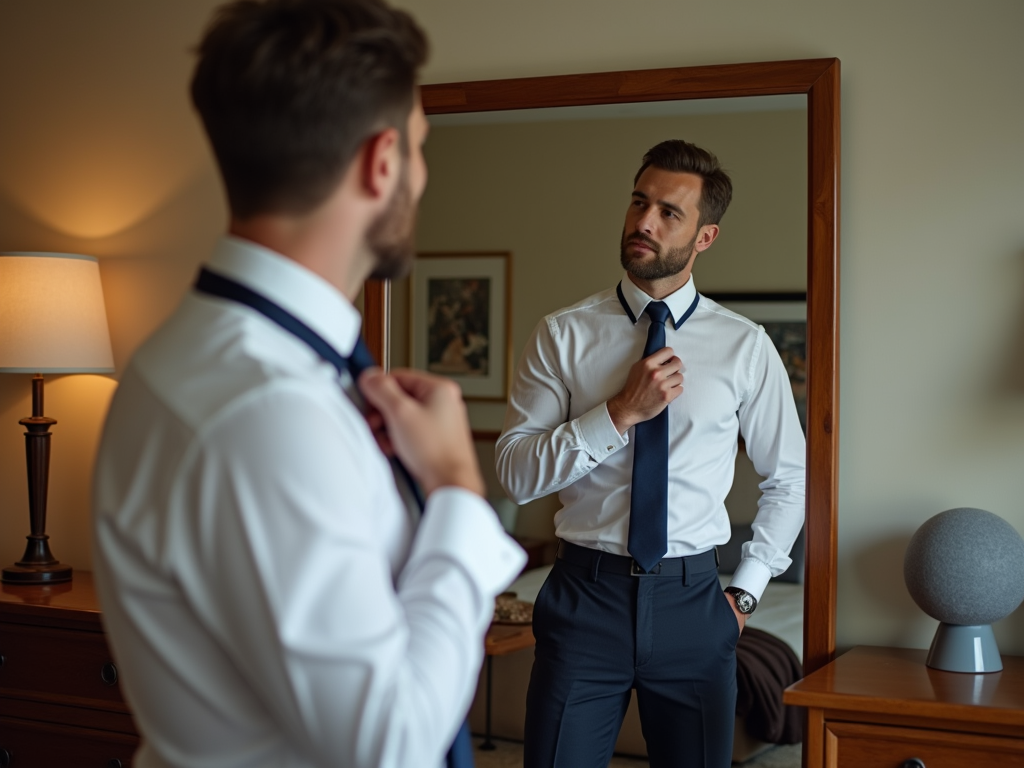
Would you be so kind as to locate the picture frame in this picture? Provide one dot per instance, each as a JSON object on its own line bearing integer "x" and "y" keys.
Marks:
{"x": 784, "y": 317}
{"x": 459, "y": 320}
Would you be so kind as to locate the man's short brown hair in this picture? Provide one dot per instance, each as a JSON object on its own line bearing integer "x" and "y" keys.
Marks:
{"x": 678, "y": 156}
{"x": 289, "y": 90}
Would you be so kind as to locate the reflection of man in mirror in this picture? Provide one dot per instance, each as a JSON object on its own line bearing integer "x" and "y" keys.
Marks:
{"x": 629, "y": 404}
{"x": 269, "y": 594}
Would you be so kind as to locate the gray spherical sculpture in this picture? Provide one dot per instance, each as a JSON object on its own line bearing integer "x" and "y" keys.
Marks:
{"x": 965, "y": 567}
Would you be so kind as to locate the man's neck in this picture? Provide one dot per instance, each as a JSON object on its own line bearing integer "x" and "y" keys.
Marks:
{"x": 662, "y": 287}
{"x": 319, "y": 243}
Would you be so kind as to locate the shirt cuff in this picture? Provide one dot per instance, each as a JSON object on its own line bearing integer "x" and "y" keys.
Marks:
{"x": 597, "y": 433}
{"x": 461, "y": 525}
{"x": 751, "y": 576}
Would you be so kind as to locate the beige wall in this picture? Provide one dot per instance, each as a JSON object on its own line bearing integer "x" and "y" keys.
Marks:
{"x": 100, "y": 154}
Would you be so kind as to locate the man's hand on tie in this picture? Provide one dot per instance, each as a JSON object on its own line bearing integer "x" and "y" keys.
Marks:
{"x": 425, "y": 424}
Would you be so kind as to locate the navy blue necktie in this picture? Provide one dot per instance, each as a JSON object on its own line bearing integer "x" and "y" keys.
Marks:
{"x": 648, "y": 500}
{"x": 461, "y": 753}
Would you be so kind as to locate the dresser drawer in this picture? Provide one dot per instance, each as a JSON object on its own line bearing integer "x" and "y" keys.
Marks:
{"x": 58, "y": 665}
{"x": 852, "y": 745}
{"x": 40, "y": 745}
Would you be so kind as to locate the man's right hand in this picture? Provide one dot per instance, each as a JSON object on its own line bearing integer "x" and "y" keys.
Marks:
{"x": 652, "y": 383}
{"x": 426, "y": 427}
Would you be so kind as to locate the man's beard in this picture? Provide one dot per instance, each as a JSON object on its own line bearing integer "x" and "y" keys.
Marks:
{"x": 392, "y": 235}
{"x": 672, "y": 263}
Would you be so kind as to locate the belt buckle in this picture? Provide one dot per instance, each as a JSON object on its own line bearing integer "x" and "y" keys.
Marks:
{"x": 636, "y": 570}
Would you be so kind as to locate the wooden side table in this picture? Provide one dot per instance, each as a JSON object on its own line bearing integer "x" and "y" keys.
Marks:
{"x": 60, "y": 703}
{"x": 883, "y": 708}
{"x": 501, "y": 639}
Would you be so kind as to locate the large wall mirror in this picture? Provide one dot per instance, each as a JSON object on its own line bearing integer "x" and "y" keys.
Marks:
{"x": 784, "y": 220}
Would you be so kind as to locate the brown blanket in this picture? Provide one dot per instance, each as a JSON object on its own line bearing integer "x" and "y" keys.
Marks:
{"x": 765, "y": 665}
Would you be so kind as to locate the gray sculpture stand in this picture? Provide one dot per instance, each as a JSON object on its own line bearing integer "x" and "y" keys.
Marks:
{"x": 971, "y": 649}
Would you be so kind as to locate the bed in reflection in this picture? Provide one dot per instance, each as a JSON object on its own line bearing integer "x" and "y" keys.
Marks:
{"x": 768, "y": 659}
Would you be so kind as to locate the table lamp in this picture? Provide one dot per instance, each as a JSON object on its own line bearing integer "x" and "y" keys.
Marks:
{"x": 52, "y": 320}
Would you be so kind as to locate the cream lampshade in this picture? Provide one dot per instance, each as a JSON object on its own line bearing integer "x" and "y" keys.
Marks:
{"x": 52, "y": 320}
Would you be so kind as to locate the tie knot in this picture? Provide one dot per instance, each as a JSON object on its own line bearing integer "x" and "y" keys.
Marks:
{"x": 657, "y": 311}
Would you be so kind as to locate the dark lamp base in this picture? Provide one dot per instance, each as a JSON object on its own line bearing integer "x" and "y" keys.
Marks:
{"x": 37, "y": 565}
{"x": 52, "y": 573}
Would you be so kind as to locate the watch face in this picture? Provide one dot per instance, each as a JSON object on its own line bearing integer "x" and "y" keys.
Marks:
{"x": 745, "y": 602}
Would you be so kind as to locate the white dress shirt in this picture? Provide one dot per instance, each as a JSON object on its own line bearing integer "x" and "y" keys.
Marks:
{"x": 558, "y": 435}
{"x": 269, "y": 599}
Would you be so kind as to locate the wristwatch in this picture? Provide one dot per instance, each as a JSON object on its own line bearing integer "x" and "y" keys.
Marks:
{"x": 745, "y": 602}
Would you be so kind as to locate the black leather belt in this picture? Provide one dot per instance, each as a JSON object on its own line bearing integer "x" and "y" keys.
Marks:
{"x": 623, "y": 565}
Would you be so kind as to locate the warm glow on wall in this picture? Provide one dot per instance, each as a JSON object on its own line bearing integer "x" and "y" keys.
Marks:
{"x": 92, "y": 190}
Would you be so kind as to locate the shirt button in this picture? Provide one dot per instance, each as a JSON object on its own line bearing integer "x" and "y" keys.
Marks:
{"x": 610, "y": 448}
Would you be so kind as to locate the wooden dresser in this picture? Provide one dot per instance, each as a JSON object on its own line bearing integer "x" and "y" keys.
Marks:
{"x": 883, "y": 708}
{"x": 60, "y": 700}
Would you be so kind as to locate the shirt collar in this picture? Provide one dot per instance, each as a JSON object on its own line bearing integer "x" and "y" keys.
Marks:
{"x": 306, "y": 295}
{"x": 678, "y": 302}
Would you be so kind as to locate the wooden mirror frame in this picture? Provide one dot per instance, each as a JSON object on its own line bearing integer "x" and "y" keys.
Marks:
{"x": 819, "y": 80}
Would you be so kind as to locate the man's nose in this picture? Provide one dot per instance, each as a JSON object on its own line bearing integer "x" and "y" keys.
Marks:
{"x": 646, "y": 221}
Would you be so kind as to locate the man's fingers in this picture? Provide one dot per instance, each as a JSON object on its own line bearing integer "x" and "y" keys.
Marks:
{"x": 652, "y": 383}
{"x": 375, "y": 420}
{"x": 381, "y": 391}
{"x": 662, "y": 356}
{"x": 426, "y": 426}
{"x": 656, "y": 374}
{"x": 423, "y": 386}
{"x": 662, "y": 363}
{"x": 411, "y": 377}
{"x": 384, "y": 443}
{"x": 380, "y": 431}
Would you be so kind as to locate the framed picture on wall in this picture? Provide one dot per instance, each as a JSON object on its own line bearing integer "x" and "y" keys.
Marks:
{"x": 459, "y": 312}
{"x": 784, "y": 317}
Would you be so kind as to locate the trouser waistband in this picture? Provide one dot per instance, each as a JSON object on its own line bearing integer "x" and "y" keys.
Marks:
{"x": 623, "y": 565}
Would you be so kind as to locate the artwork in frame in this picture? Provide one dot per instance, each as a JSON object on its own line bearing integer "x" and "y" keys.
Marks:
{"x": 784, "y": 317}
{"x": 459, "y": 310}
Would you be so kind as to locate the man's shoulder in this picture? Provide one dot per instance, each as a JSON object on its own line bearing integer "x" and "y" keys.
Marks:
{"x": 710, "y": 311}
{"x": 206, "y": 358}
{"x": 585, "y": 310}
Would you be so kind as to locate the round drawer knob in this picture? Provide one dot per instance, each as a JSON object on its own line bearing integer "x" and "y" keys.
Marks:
{"x": 913, "y": 763}
{"x": 5, "y": 758}
{"x": 108, "y": 673}
{"x": 115, "y": 763}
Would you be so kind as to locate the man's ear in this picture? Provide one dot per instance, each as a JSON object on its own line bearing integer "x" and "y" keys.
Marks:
{"x": 380, "y": 163}
{"x": 705, "y": 237}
